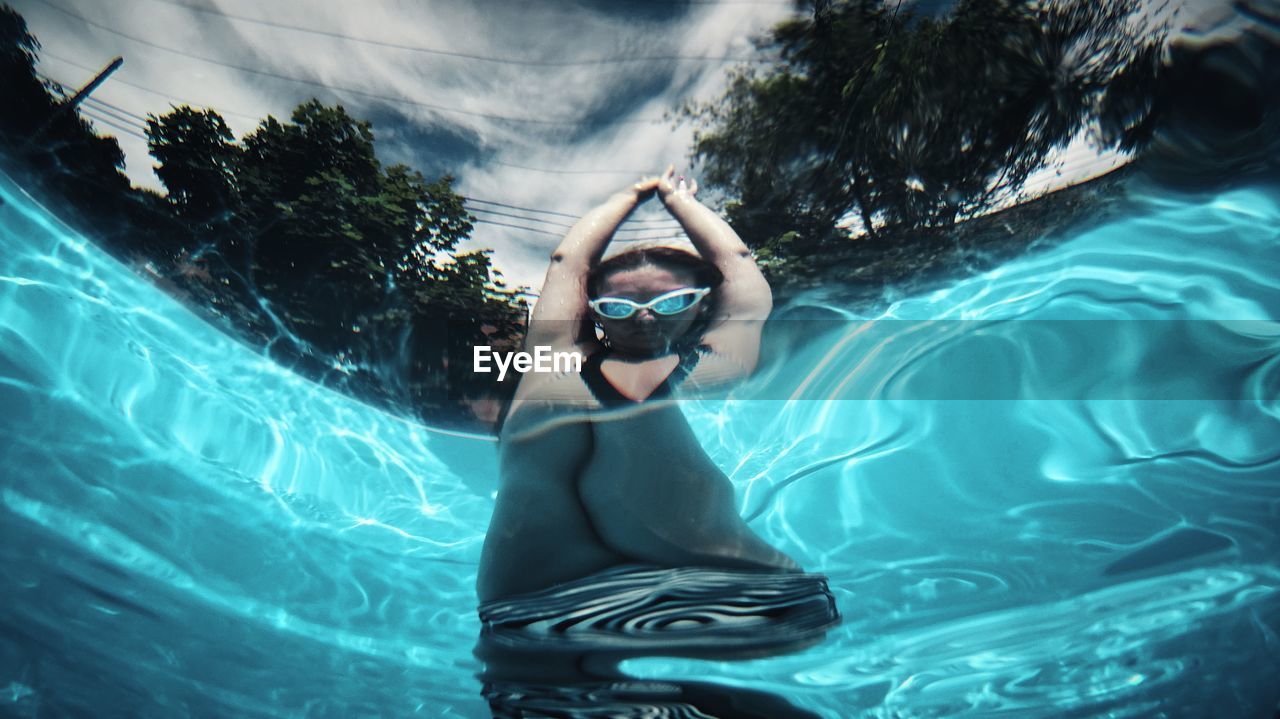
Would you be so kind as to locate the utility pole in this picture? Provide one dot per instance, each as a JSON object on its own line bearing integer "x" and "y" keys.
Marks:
{"x": 70, "y": 104}
{"x": 92, "y": 85}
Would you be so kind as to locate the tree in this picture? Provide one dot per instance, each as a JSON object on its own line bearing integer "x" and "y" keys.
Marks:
{"x": 358, "y": 262}
{"x": 908, "y": 122}
{"x": 355, "y": 262}
{"x": 57, "y": 153}
{"x": 455, "y": 305}
{"x": 27, "y": 104}
{"x": 197, "y": 158}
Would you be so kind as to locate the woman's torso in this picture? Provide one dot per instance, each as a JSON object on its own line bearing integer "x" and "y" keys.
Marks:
{"x": 568, "y": 433}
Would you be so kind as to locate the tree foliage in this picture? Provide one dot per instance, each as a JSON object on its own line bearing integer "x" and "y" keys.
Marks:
{"x": 296, "y": 235}
{"x": 197, "y": 161}
{"x": 359, "y": 259}
{"x": 905, "y": 121}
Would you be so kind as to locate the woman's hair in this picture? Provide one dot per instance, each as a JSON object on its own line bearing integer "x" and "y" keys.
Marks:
{"x": 668, "y": 258}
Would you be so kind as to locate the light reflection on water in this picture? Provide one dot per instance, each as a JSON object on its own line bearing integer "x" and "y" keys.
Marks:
{"x": 187, "y": 525}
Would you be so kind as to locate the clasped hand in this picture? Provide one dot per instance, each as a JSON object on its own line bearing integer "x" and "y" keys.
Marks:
{"x": 668, "y": 187}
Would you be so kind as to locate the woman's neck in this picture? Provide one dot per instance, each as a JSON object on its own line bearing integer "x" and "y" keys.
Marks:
{"x": 679, "y": 347}
{"x": 640, "y": 355}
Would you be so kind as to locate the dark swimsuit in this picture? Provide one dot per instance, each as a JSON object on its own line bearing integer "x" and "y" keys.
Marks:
{"x": 609, "y": 396}
{"x": 634, "y": 610}
{"x": 638, "y": 605}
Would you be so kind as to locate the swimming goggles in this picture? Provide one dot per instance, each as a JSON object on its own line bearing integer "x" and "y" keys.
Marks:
{"x": 671, "y": 303}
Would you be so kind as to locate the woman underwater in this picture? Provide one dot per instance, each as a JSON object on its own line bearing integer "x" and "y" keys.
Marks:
{"x": 612, "y": 528}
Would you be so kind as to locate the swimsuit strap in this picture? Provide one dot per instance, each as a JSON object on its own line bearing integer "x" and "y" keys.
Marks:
{"x": 688, "y": 360}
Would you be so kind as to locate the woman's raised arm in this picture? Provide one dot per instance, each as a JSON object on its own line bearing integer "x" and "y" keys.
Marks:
{"x": 744, "y": 299}
{"x": 563, "y": 301}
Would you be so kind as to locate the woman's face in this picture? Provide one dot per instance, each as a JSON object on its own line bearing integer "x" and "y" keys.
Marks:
{"x": 645, "y": 332}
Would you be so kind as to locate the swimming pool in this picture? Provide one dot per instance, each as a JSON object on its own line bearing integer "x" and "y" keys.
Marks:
{"x": 189, "y": 528}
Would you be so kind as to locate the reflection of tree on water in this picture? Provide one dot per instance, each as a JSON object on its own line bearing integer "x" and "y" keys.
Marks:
{"x": 568, "y": 665}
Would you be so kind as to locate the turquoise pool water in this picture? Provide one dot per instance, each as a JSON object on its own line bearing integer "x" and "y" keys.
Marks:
{"x": 188, "y": 528}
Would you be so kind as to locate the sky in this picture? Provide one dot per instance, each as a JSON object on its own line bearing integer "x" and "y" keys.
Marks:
{"x": 552, "y": 105}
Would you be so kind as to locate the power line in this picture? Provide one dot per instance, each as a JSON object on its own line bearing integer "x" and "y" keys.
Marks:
{"x": 546, "y": 212}
{"x": 518, "y": 227}
{"x": 152, "y": 91}
{"x": 119, "y": 109}
{"x": 456, "y": 54}
{"x": 91, "y": 113}
{"x": 558, "y": 171}
{"x": 653, "y": 238}
{"x": 561, "y": 234}
{"x": 247, "y": 116}
{"x": 729, "y": 2}
{"x": 499, "y": 213}
{"x": 652, "y": 224}
{"x": 98, "y": 114}
{"x": 553, "y": 223}
{"x": 68, "y": 105}
{"x": 124, "y": 120}
{"x": 348, "y": 90}
{"x": 513, "y": 207}
{"x": 118, "y": 114}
